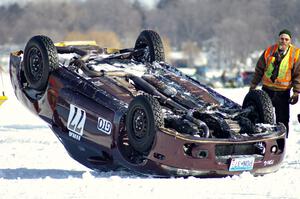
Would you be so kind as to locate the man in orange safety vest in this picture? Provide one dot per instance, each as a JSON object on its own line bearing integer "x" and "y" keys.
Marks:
{"x": 279, "y": 71}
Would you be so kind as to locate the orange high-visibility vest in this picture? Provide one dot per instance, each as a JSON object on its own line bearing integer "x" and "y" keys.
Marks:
{"x": 283, "y": 80}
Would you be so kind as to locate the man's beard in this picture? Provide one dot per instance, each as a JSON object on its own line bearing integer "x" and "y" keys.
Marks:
{"x": 282, "y": 47}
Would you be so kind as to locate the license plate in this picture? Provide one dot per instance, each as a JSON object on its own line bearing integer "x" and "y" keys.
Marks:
{"x": 241, "y": 164}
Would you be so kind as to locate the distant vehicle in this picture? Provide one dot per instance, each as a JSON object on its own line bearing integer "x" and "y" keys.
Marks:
{"x": 127, "y": 108}
{"x": 247, "y": 77}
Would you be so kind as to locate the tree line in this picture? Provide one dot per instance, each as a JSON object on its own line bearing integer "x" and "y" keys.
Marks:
{"x": 231, "y": 29}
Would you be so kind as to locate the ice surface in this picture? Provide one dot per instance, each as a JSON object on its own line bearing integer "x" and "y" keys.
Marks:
{"x": 33, "y": 164}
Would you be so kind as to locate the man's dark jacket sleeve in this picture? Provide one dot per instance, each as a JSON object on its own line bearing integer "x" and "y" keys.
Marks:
{"x": 259, "y": 70}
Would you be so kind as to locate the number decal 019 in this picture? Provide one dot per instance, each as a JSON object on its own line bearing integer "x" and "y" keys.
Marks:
{"x": 104, "y": 125}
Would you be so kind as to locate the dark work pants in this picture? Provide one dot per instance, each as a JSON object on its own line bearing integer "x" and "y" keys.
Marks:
{"x": 280, "y": 100}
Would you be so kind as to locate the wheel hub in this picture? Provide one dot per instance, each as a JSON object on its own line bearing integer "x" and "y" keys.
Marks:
{"x": 139, "y": 123}
{"x": 146, "y": 56}
{"x": 35, "y": 64}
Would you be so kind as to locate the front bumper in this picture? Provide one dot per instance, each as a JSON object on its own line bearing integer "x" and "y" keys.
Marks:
{"x": 205, "y": 158}
{"x": 173, "y": 171}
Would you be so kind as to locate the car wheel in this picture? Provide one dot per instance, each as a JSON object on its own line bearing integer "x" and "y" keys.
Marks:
{"x": 151, "y": 42}
{"x": 262, "y": 108}
{"x": 144, "y": 117}
{"x": 40, "y": 58}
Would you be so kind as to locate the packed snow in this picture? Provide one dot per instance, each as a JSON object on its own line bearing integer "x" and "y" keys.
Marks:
{"x": 34, "y": 164}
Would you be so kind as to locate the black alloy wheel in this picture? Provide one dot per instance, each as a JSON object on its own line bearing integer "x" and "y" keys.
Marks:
{"x": 143, "y": 119}
{"x": 40, "y": 58}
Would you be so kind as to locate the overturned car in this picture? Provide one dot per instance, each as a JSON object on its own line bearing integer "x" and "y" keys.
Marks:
{"x": 128, "y": 108}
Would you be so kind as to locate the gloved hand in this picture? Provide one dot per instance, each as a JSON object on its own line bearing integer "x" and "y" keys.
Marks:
{"x": 294, "y": 98}
{"x": 252, "y": 87}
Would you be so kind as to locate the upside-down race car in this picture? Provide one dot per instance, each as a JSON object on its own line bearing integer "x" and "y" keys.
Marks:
{"x": 128, "y": 108}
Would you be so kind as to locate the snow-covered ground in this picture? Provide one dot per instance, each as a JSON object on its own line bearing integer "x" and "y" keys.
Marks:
{"x": 33, "y": 164}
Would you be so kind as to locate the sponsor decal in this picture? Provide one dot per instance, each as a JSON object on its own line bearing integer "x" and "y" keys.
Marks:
{"x": 74, "y": 135}
{"x": 104, "y": 125}
{"x": 269, "y": 162}
{"x": 76, "y": 121}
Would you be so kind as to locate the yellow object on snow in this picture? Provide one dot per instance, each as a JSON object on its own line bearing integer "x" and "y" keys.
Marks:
{"x": 3, "y": 99}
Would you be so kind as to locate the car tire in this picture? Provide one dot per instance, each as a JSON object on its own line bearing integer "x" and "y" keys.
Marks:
{"x": 262, "y": 107}
{"x": 152, "y": 43}
{"x": 40, "y": 58}
{"x": 143, "y": 119}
